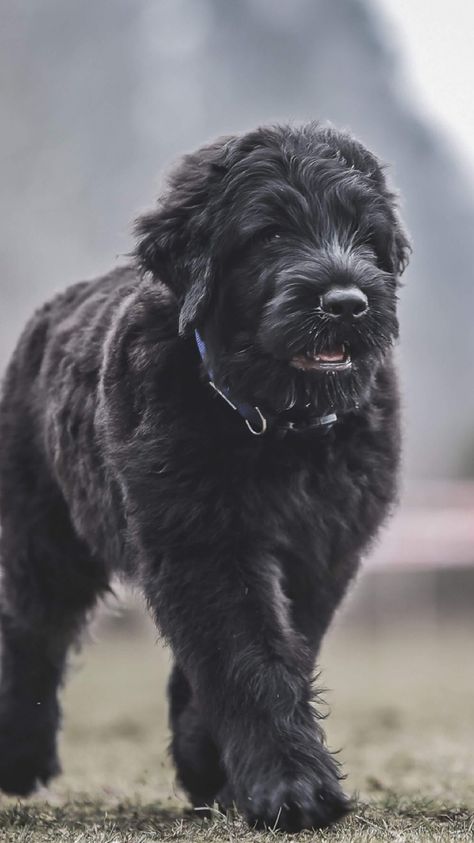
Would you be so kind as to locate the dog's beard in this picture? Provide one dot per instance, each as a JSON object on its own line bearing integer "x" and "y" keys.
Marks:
{"x": 276, "y": 386}
{"x": 261, "y": 369}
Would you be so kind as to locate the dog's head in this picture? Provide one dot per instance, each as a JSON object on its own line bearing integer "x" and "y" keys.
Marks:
{"x": 283, "y": 248}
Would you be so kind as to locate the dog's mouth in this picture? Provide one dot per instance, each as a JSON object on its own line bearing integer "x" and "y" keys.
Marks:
{"x": 336, "y": 359}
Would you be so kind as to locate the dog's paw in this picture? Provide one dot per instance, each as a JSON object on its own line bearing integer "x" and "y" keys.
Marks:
{"x": 292, "y": 797}
{"x": 296, "y": 804}
{"x": 22, "y": 776}
{"x": 28, "y": 756}
{"x": 225, "y": 799}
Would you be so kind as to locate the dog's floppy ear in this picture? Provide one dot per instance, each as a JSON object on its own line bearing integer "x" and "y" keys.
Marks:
{"x": 394, "y": 245}
{"x": 395, "y": 248}
{"x": 391, "y": 242}
{"x": 175, "y": 242}
{"x": 170, "y": 249}
{"x": 401, "y": 248}
{"x": 199, "y": 294}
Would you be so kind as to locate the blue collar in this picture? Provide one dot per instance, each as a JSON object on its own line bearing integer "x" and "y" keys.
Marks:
{"x": 253, "y": 417}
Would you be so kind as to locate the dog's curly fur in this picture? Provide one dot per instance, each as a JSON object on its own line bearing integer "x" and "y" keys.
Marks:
{"x": 117, "y": 456}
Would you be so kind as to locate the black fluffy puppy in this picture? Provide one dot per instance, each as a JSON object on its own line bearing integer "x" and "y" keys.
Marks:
{"x": 243, "y": 526}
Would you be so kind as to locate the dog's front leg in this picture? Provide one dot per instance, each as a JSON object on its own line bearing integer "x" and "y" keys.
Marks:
{"x": 228, "y": 622}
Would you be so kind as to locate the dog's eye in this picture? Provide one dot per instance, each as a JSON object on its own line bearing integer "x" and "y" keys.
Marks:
{"x": 257, "y": 240}
{"x": 270, "y": 236}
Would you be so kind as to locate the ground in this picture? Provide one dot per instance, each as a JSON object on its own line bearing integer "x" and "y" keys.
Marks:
{"x": 402, "y": 703}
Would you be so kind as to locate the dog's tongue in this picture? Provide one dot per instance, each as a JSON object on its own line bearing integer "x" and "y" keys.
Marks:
{"x": 331, "y": 356}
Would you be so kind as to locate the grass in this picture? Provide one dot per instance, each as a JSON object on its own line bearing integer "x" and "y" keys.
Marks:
{"x": 82, "y": 821}
{"x": 402, "y": 711}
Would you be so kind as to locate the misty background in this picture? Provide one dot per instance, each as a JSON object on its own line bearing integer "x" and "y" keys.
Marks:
{"x": 98, "y": 99}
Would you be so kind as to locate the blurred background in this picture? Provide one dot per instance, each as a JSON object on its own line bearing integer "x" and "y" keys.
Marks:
{"x": 98, "y": 99}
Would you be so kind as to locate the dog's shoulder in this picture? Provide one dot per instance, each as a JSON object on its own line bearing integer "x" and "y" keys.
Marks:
{"x": 141, "y": 353}
{"x": 142, "y": 332}
{"x": 147, "y": 314}
{"x": 74, "y": 329}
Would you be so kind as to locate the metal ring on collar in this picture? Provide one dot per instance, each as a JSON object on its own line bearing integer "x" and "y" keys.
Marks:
{"x": 264, "y": 424}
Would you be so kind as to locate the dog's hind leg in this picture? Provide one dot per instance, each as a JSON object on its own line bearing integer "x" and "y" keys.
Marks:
{"x": 49, "y": 582}
{"x": 195, "y": 754}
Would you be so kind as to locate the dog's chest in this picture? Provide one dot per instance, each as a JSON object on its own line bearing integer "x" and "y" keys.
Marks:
{"x": 291, "y": 500}
{"x": 313, "y": 507}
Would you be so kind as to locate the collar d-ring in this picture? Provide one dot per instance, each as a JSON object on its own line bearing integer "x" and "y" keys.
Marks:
{"x": 263, "y": 421}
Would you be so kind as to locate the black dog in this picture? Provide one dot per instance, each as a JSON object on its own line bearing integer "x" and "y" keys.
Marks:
{"x": 242, "y": 523}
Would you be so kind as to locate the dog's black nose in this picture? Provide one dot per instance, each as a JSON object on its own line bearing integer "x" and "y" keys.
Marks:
{"x": 344, "y": 302}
